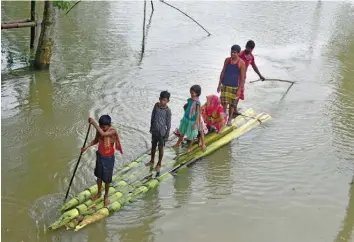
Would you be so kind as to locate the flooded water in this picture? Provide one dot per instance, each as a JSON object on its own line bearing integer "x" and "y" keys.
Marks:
{"x": 287, "y": 180}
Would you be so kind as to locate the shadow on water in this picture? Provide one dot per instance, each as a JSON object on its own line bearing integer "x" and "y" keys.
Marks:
{"x": 345, "y": 233}
{"x": 218, "y": 173}
{"x": 341, "y": 111}
{"x": 34, "y": 99}
{"x": 41, "y": 94}
{"x": 141, "y": 215}
{"x": 98, "y": 232}
{"x": 182, "y": 185}
{"x": 344, "y": 131}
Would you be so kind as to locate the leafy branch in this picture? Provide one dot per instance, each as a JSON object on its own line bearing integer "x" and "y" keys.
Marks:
{"x": 62, "y": 5}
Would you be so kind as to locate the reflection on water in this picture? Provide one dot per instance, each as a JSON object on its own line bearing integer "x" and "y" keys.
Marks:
{"x": 345, "y": 233}
{"x": 41, "y": 94}
{"x": 182, "y": 187}
{"x": 218, "y": 174}
{"x": 343, "y": 114}
{"x": 285, "y": 181}
{"x": 141, "y": 216}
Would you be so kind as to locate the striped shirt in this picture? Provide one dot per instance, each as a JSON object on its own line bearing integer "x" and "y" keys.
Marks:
{"x": 160, "y": 121}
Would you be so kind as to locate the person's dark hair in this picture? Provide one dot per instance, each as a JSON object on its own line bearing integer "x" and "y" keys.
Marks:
{"x": 197, "y": 89}
{"x": 250, "y": 44}
{"x": 185, "y": 106}
{"x": 165, "y": 94}
{"x": 105, "y": 120}
{"x": 236, "y": 48}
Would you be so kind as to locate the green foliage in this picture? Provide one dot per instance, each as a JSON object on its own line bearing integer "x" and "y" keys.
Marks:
{"x": 62, "y": 5}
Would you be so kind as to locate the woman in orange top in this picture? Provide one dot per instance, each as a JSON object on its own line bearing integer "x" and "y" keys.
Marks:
{"x": 106, "y": 136}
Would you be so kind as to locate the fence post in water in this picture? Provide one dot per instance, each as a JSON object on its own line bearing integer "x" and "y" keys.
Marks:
{"x": 33, "y": 18}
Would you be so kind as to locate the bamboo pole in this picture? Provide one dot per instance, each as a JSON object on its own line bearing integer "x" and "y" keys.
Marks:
{"x": 152, "y": 6}
{"x": 143, "y": 41}
{"x": 17, "y": 21}
{"x": 72, "y": 7}
{"x": 18, "y": 25}
{"x": 186, "y": 15}
{"x": 148, "y": 25}
{"x": 33, "y": 18}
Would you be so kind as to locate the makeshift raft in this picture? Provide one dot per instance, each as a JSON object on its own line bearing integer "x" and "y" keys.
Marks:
{"x": 136, "y": 179}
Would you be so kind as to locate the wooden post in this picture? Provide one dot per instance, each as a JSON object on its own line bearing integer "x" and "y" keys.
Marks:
{"x": 33, "y": 19}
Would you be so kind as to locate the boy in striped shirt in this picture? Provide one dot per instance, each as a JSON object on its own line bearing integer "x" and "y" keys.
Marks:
{"x": 160, "y": 128}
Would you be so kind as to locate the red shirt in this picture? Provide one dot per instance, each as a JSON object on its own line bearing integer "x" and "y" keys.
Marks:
{"x": 106, "y": 145}
{"x": 247, "y": 59}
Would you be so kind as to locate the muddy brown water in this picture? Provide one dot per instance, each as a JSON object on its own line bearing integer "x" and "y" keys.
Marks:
{"x": 287, "y": 180}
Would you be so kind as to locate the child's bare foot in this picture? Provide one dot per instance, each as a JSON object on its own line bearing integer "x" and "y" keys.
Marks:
{"x": 97, "y": 196}
{"x": 106, "y": 201}
{"x": 157, "y": 168}
{"x": 176, "y": 146}
{"x": 151, "y": 163}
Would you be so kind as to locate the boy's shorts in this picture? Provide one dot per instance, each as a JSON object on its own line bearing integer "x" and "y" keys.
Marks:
{"x": 104, "y": 167}
{"x": 158, "y": 140}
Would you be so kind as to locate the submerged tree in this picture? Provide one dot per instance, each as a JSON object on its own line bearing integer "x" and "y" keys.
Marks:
{"x": 46, "y": 38}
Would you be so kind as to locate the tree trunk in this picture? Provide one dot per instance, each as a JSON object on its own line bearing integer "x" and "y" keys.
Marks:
{"x": 46, "y": 38}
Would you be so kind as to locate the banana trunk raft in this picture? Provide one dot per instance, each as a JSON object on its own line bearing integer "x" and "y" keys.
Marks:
{"x": 136, "y": 168}
{"x": 135, "y": 179}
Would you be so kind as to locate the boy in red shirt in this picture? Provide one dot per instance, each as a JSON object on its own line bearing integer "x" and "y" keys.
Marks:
{"x": 107, "y": 139}
{"x": 248, "y": 58}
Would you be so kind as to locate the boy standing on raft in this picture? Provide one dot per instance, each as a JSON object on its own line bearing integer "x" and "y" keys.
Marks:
{"x": 160, "y": 128}
{"x": 106, "y": 136}
{"x": 232, "y": 80}
{"x": 247, "y": 57}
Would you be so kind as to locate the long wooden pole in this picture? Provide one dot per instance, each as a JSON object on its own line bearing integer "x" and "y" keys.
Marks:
{"x": 18, "y": 25}
{"x": 163, "y": 1}
{"x": 33, "y": 18}
{"x": 152, "y": 6}
{"x": 143, "y": 41}
{"x": 72, "y": 7}
{"x": 17, "y": 21}
{"x": 77, "y": 164}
